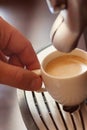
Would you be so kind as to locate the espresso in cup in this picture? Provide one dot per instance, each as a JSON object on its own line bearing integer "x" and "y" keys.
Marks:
{"x": 65, "y": 76}
{"x": 66, "y": 66}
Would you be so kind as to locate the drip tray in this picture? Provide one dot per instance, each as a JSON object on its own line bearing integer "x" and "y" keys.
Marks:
{"x": 41, "y": 112}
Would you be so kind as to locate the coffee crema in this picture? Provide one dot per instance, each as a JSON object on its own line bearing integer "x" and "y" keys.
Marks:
{"x": 66, "y": 66}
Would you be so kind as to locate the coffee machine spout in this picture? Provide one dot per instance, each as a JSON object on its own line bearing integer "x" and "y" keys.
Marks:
{"x": 70, "y": 23}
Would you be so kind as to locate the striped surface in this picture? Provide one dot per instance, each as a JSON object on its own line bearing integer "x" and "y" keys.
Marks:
{"x": 49, "y": 115}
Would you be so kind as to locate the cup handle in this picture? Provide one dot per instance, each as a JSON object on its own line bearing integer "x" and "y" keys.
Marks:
{"x": 38, "y": 72}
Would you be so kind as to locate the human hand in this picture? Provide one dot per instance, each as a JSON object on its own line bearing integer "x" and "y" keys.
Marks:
{"x": 69, "y": 24}
{"x": 17, "y": 59}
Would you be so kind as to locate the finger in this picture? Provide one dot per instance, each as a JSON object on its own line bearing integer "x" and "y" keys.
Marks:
{"x": 3, "y": 57}
{"x": 13, "y": 42}
{"x": 18, "y": 77}
{"x": 14, "y": 60}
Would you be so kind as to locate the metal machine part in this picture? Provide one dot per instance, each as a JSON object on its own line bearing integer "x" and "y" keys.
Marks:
{"x": 41, "y": 112}
{"x": 73, "y": 23}
{"x": 56, "y": 5}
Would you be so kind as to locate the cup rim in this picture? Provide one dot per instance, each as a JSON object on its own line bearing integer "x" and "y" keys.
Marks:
{"x": 63, "y": 78}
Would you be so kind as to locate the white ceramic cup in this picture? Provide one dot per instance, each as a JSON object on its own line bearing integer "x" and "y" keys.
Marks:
{"x": 68, "y": 91}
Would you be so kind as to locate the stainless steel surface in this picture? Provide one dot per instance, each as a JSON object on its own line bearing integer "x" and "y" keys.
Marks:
{"x": 40, "y": 109}
{"x": 73, "y": 23}
{"x": 85, "y": 37}
{"x": 56, "y": 6}
{"x": 27, "y": 116}
{"x": 46, "y": 111}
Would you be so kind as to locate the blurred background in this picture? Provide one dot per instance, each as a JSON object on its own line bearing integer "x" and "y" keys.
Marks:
{"x": 31, "y": 17}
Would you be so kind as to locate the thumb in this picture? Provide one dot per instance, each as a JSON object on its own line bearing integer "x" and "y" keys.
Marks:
{"x": 19, "y": 77}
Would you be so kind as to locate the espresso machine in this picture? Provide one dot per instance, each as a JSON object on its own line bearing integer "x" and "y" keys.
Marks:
{"x": 39, "y": 110}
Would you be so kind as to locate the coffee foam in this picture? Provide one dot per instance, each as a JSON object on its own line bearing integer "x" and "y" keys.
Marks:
{"x": 66, "y": 66}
